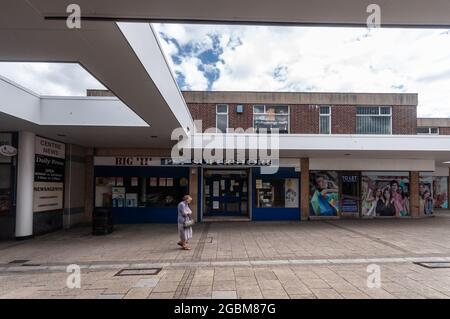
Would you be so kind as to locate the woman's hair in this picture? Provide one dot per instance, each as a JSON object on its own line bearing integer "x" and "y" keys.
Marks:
{"x": 384, "y": 193}
{"x": 186, "y": 197}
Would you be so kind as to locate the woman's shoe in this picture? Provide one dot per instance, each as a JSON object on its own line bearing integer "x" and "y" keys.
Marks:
{"x": 186, "y": 248}
{"x": 180, "y": 244}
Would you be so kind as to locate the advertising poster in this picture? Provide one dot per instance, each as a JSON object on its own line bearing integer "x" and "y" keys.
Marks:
{"x": 291, "y": 192}
{"x": 49, "y": 175}
{"x": 426, "y": 205}
{"x": 324, "y": 193}
{"x": 385, "y": 194}
{"x": 440, "y": 192}
{"x": 118, "y": 196}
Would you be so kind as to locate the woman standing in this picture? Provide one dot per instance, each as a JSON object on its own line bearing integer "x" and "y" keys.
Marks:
{"x": 185, "y": 222}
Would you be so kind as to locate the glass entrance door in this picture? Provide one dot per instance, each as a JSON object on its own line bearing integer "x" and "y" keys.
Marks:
{"x": 225, "y": 192}
{"x": 350, "y": 194}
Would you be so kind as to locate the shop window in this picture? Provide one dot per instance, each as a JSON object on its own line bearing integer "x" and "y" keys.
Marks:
{"x": 122, "y": 192}
{"x": 277, "y": 193}
{"x": 324, "y": 193}
{"x": 374, "y": 120}
{"x": 222, "y": 118}
{"x": 385, "y": 194}
{"x": 269, "y": 118}
{"x": 440, "y": 192}
{"x": 325, "y": 120}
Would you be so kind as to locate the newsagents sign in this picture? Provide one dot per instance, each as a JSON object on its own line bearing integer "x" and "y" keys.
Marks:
{"x": 49, "y": 175}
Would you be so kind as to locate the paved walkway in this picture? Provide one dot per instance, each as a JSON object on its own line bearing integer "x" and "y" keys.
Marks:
{"x": 320, "y": 259}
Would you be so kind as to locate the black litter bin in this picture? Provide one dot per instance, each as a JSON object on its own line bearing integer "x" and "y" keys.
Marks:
{"x": 102, "y": 222}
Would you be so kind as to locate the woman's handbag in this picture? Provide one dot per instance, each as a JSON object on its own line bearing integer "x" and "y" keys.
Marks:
{"x": 188, "y": 223}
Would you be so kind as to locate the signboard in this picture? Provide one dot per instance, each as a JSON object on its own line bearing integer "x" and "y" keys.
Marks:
{"x": 162, "y": 161}
{"x": 48, "y": 175}
{"x": 291, "y": 192}
{"x": 5, "y": 145}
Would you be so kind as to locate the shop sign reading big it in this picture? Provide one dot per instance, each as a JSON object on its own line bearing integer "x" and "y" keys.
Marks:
{"x": 49, "y": 175}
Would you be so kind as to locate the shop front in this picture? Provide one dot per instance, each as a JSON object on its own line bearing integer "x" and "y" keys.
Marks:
{"x": 147, "y": 190}
{"x": 226, "y": 192}
{"x": 8, "y": 169}
{"x": 138, "y": 190}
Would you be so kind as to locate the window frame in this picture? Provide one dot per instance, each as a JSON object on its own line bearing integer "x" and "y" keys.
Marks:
{"x": 429, "y": 130}
{"x": 222, "y": 113}
{"x": 380, "y": 114}
{"x": 265, "y": 113}
{"x": 325, "y": 115}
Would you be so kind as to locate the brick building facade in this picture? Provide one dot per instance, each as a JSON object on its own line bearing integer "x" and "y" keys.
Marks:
{"x": 304, "y": 117}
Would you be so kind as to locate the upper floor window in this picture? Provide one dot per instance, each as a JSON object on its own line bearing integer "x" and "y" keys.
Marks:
{"x": 271, "y": 117}
{"x": 428, "y": 130}
{"x": 325, "y": 120}
{"x": 221, "y": 118}
{"x": 374, "y": 120}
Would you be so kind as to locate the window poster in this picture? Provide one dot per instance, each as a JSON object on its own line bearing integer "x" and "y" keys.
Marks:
{"x": 440, "y": 192}
{"x": 169, "y": 181}
{"x": 291, "y": 192}
{"x": 426, "y": 195}
{"x": 222, "y": 184}
{"x": 134, "y": 181}
{"x": 49, "y": 171}
{"x": 119, "y": 181}
{"x": 258, "y": 183}
{"x": 216, "y": 188}
{"x": 131, "y": 199}
{"x": 215, "y": 204}
{"x": 162, "y": 181}
{"x": 324, "y": 193}
{"x": 153, "y": 181}
{"x": 385, "y": 194}
{"x": 118, "y": 196}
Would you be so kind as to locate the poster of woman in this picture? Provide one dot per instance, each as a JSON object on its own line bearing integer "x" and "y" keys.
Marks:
{"x": 324, "y": 192}
{"x": 425, "y": 195}
{"x": 385, "y": 194}
{"x": 440, "y": 192}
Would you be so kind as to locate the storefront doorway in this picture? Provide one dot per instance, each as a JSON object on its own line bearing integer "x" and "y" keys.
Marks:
{"x": 350, "y": 194}
{"x": 226, "y": 192}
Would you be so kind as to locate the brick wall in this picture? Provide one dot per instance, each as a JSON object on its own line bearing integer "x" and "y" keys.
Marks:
{"x": 343, "y": 119}
{"x": 444, "y": 130}
{"x": 404, "y": 120}
{"x": 304, "y": 119}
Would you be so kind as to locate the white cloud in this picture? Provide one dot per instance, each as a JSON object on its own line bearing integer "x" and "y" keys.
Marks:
{"x": 326, "y": 59}
{"x": 50, "y": 78}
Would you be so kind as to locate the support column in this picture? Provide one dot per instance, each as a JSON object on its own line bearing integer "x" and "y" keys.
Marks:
{"x": 193, "y": 191}
{"x": 25, "y": 185}
{"x": 414, "y": 194}
{"x": 448, "y": 187}
{"x": 304, "y": 188}
{"x": 89, "y": 185}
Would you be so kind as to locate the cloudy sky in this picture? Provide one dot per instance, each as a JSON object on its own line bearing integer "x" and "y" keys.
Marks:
{"x": 263, "y": 58}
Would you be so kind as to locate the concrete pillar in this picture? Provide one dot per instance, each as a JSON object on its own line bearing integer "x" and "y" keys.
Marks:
{"x": 414, "y": 194}
{"x": 448, "y": 187}
{"x": 89, "y": 185}
{"x": 304, "y": 188}
{"x": 193, "y": 191}
{"x": 25, "y": 185}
